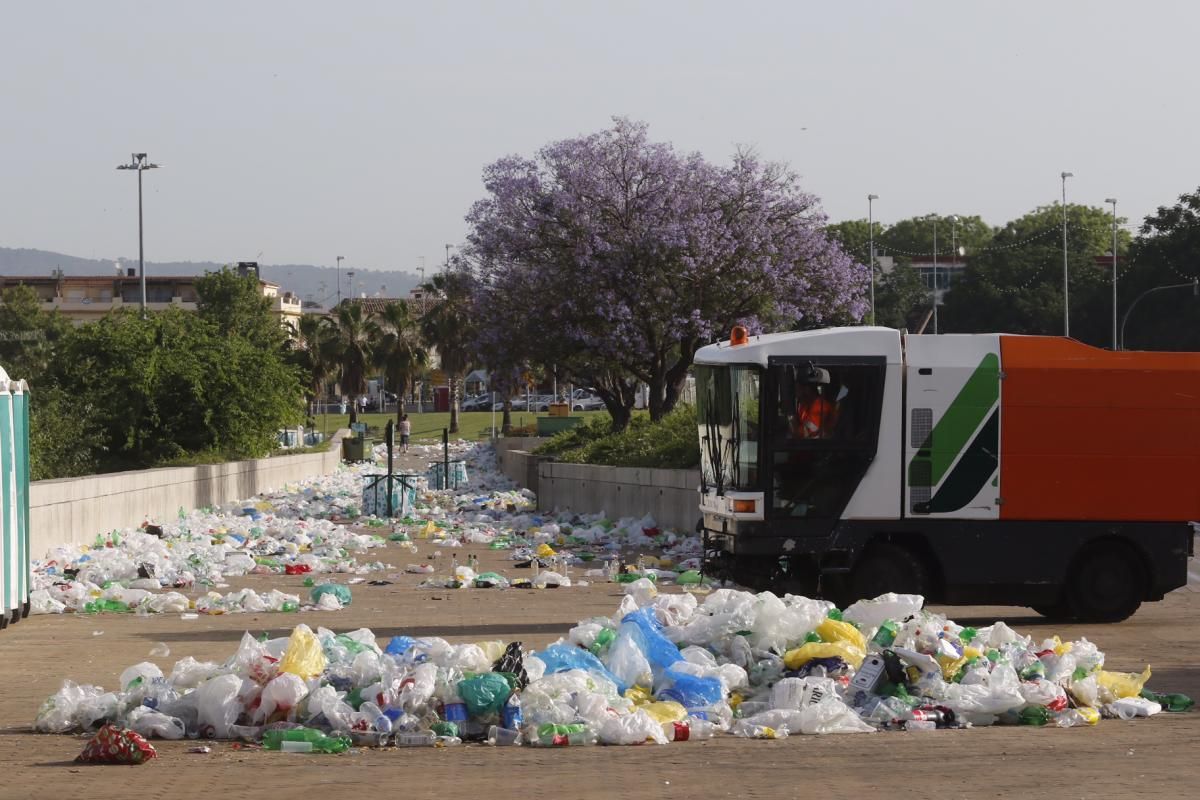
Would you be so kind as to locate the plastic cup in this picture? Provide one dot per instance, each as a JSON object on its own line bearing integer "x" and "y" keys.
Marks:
{"x": 502, "y": 737}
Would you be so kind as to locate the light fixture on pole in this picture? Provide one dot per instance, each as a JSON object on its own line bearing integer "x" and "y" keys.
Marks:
{"x": 339, "y": 280}
{"x": 1113, "y": 200}
{"x": 954, "y": 249}
{"x": 1066, "y": 272}
{"x": 448, "y": 248}
{"x": 934, "y": 218}
{"x": 138, "y": 162}
{"x": 871, "y": 249}
{"x": 350, "y": 277}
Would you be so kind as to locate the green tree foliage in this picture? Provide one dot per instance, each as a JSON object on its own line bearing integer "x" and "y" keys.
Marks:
{"x": 174, "y": 385}
{"x": 447, "y": 327}
{"x": 1015, "y": 284}
{"x": 1167, "y": 253}
{"x": 236, "y": 305}
{"x": 353, "y": 347}
{"x": 312, "y": 351}
{"x": 399, "y": 352}
{"x": 28, "y": 334}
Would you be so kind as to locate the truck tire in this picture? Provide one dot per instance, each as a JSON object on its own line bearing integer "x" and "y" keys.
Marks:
{"x": 1106, "y": 584}
{"x": 1057, "y": 611}
{"x": 887, "y": 568}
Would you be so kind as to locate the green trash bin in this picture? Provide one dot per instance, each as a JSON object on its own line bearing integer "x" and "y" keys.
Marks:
{"x": 357, "y": 449}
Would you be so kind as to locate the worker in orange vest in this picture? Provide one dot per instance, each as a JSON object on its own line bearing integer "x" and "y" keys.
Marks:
{"x": 815, "y": 414}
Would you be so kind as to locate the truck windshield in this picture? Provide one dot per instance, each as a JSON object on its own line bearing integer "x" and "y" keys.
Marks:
{"x": 727, "y": 412}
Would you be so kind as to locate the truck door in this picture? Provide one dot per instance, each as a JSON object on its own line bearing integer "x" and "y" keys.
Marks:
{"x": 952, "y": 448}
{"x": 823, "y": 417}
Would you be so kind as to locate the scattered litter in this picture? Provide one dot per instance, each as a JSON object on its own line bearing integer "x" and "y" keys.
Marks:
{"x": 160, "y": 650}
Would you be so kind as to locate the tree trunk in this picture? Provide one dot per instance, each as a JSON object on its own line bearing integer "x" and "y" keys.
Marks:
{"x": 453, "y": 390}
{"x": 506, "y": 421}
{"x": 401, "y": 387}
{"x": 676, "y": 376}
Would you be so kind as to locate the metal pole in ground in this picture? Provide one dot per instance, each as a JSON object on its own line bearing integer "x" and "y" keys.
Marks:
{"x": 390, "y": 436}
{"x": 445, "y": 458}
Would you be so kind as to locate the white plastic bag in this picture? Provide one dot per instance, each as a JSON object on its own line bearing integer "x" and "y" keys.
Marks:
{"x": 636, "y": 728}
{"x": 148, "y": 723}
{"x": 627, "y": 661}
{"x": 282, "y": 694}
{"x": 831, "y": 715}
{"x": 890, "y": 606}
{"x": 217, "y": 705}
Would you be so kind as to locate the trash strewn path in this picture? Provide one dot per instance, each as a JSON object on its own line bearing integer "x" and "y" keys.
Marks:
{"x": 1113, "y": 759}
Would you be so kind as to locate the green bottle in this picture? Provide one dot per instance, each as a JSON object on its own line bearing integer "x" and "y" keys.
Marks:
{"x": 1169, "y": 702}
{"x": 305, "y": 740}
{"x": 835, "y": 614}
{"x": 967, "y": 635}
{"x": 603, "y": 639}
{"x": 886, "y": 634}
{"x": 1035, "y": 715}
{"x": 444, "y": 728}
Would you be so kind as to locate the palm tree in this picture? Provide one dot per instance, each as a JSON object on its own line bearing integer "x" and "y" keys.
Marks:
{"x": 399, "y": 351}
{"x": 447, "y": 327}
{"x": 312, "y": 346}
{"x": 354, "y": 338}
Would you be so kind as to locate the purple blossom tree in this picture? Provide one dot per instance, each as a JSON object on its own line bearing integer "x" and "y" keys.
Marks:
{"x": 615, "y": 258}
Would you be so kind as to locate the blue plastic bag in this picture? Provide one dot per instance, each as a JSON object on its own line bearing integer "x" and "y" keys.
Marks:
{"x": 399, "y": 645}
{"x": 690, "y": 691}
{"x": 660, "y": 651}
{"x": 562, "y": 657}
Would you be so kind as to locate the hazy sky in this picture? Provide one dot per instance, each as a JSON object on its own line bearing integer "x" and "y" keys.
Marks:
{"x": 307, "y": 130}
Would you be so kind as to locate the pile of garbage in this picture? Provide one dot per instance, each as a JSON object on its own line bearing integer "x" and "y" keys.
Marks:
{"x": 664, "y": 667}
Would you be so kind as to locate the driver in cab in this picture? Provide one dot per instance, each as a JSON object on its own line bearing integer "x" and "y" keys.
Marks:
{"x": 816, "y": 414}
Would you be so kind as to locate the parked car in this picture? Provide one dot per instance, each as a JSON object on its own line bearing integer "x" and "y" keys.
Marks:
{"x": 479, "y": 402}
{"x": 585, "y": 400}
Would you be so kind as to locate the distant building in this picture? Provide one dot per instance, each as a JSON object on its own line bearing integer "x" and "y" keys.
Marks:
{"x": 88, "y": 298}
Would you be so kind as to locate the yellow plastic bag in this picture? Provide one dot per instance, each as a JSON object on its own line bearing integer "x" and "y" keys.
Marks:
{"x": 429, "y": 530}
{"x": 833, "y": 630}
{"x": 1122, "y": 684}
{"x": 1090, "y": 715}
{"x": 491, "y": 650}
{"x": 304, "y": 656}
{"x": 665, "y": 711}
{"x": 640, "y": 695}
{"x": 545, "y": 551}
{"x": 794, "y": 659}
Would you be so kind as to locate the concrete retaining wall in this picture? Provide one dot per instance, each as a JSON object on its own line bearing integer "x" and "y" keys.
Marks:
{"x": 70, "y": 510}
{"x": 669, "y": 495}
{"x": 516, "y": 462}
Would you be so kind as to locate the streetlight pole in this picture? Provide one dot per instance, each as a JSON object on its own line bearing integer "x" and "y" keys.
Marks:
{"x": 138, "y": 162}
{"x": 1066, "y": 272}
{"x": 350, "y": 275}
{"x": 934, "y": 218}
{"x": 339, "y": 280}
{"x": 1194, "y": 285}
{"x": 871, "y": 249}
{"x": 1113, "y": 200}
{"x": 953, "y": 247}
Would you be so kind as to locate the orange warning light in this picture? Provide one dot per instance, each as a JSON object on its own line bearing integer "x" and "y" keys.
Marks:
{"x": 738, "y": 336}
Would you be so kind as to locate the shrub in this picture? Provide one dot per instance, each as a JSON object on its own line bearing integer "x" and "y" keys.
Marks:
{"x": 671, "y": 443}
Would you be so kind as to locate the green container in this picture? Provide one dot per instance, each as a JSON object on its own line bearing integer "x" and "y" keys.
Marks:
{"x": 357, "y": 448}
{"x": 548, "y": 426}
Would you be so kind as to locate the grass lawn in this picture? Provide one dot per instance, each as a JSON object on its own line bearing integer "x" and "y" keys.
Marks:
{"x": 428, "y": 427}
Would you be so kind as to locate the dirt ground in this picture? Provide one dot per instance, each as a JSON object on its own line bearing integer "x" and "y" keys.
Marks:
{"x": 1143, "y": 758}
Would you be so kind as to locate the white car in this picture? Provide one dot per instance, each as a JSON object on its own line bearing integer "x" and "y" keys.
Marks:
{"x": 585, "y": 400}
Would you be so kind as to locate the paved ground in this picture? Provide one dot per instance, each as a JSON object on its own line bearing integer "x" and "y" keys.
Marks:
{"x": 1144, "y": 758}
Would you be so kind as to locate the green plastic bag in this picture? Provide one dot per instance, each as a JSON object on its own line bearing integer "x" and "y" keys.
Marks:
{"x": 485, "y": 694}
{"x": 336, "y": 589}
{"x": 688, "y": 578}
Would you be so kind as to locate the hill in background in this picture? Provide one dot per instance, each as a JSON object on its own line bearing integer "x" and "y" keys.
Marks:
{"x": 306, "y": 280}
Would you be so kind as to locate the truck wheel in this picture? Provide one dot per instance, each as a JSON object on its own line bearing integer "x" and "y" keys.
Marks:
{"x": 1106, "y": 585}
{"x": 888, "y": 568}
{"x": 1058, "y": 611}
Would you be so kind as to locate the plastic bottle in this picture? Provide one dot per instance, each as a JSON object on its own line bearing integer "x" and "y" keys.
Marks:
{"x": 1035, "y": 715}
{"x": 418, "y": 739}
{"x": 1076, "y": 717}
{"x": 511, "y": 716}
{"x": 1170, "y": 702}
{"x": 304, "y": 740}
{"x": 689, "y": 729}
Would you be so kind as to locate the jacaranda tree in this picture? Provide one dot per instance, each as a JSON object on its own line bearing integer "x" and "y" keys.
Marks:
{"x": 609, "y": 251}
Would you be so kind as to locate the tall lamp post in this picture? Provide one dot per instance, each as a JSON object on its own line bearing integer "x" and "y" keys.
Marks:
{"x": 1066, "y": 273}
{"x": 138, "y": 162}
{"x": 1194, "y": 285}
{"x": 871, "y": 248}
{"x": 1113, "y": 200}
{"x": 339, "y": 279}
{"x": 953, "y": 248}
{"x": 350, "y": 276}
